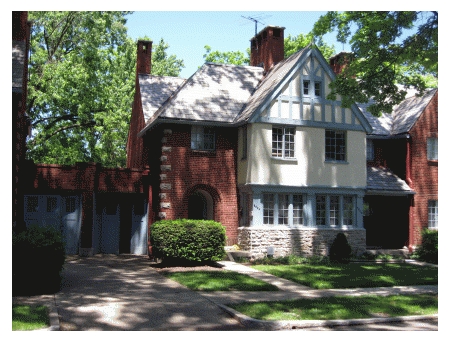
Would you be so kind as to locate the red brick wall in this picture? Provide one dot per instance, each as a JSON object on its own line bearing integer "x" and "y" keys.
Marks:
{"x": 182, "y": 171}
{"x": 82, "y": 177}
{"x": 424, "y": 173}
{"x": 267, "y": 48}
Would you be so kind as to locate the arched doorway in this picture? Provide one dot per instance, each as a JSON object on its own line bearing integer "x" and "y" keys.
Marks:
{"x": 200, "y": 206}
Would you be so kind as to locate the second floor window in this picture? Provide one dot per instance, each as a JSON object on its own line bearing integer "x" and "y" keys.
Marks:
{"x": 335, "y": 145}
{"x": 202, "y": 138}
{"x": 283, "y": 142}
{"x": 432, "y": 149}
{"x": 370, "y": 150}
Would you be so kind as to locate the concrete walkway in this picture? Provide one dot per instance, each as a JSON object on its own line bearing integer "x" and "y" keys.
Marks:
{"x": 124, "y": 293}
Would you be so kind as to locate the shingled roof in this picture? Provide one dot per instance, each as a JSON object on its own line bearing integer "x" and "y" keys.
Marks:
{"x": 403, "y": 116}
{"x": 215, "y": 93}
{"x": 381, "y": 180}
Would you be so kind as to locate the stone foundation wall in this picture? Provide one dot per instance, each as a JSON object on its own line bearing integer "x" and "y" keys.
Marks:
{"x": 297, "y": 241}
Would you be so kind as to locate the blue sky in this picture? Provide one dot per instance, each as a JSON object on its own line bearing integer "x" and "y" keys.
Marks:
{"x": 187, "y": 32}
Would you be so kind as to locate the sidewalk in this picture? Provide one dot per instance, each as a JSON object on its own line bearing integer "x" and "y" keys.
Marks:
{"x": 125, "y": 293}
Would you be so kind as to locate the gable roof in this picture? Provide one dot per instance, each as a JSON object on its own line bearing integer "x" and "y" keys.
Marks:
{"x": 402, "y": 118}
{"x": 214, "y": 93}
{"x": 276, "y": 76}
{"x": 226, "y": 94}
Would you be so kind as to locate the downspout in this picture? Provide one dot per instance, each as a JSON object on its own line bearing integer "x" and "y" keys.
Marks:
{"x": 411, "y": 203}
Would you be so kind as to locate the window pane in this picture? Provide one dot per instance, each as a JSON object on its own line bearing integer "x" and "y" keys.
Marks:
{"x": 268, "y": 208}
{"x": 348, "y": 210}
{"x": 51, "y": 204}
{"x": 432, "y": 148}
{"x": 370, "y": 150}
{"x": 32, "y": 203}
{"x": 320, "y": 210}
{"x": 70, "y": 204}
{"x": 306, "y": 87}
{"x": 297, "y": 202}
{"x": 202, "y": 138}
{"x": 432, "y": 214}
{"x": 334, "y": 210}
{"x": 277, "y": 137}
{"x": 317, "y": 89}
{"x": 335, "y": 145}
{"x": 283, "y": 209}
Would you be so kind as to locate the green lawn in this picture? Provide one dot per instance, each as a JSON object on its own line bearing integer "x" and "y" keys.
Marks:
{"x": 27, "y": 318}
{"x": 341, "y": 307}
{"x": 354, "y": 275}
{"x": 219, "y": 281}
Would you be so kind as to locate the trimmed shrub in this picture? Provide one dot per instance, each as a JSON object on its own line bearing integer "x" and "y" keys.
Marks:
{"x": 340, "y": 251}
{"x": 38, "y": 258}
{"x": 191, "y": 240}
{"x": 428, "y": 249}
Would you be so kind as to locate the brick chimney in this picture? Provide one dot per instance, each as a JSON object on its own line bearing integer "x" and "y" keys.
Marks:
{"x": 267, "y": 47}
{"x": 144, "y": 57}
{"x": 339, "y": 61}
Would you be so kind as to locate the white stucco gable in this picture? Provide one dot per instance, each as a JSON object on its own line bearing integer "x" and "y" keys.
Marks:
{"x": 295, "y": 92}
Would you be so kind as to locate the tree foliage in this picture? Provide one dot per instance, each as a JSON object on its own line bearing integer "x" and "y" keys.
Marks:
{"x": 164, "y": 64}
{"x": 392, "y": 52}
{"x": 291, "y": 45}
{"x": 231, "y": 58}
{"x": 81, "y": 87}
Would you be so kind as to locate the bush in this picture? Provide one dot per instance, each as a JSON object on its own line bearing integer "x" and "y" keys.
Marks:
{"x": 340, "y": 251}
{"x": 38, "y": 258}
{"x": 428, "y": 249}
{"x": 191, "y": 240}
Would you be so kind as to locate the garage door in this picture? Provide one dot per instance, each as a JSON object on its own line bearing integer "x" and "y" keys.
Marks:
{"x": 62, "y": 212}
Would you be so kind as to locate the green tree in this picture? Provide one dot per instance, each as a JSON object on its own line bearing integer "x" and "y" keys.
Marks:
{"x": 231, "y": 58}
{"x": 291, "y": 45}
{"x": 392, "y": 52}
{"x": 82, "y": 75}
{"x": 300, "y": 41}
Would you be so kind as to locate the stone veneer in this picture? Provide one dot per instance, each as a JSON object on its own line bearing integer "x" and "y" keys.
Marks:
{"x": 297, "y": 241}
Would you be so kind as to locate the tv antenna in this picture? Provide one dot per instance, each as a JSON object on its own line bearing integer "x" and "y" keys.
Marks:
{"x": 256, "y": 21}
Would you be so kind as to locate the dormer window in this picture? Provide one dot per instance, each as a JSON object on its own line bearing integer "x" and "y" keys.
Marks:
{"x": 306, "y": 87}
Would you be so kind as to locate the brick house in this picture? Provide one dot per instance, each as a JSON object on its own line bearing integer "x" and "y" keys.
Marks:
{"x": 97, "y": 210}
{"x": 258, "y": 148}
{"x": 402, "y": 166}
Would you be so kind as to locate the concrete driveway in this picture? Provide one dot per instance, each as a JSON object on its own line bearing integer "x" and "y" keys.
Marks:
{"x": 124, "y": 293}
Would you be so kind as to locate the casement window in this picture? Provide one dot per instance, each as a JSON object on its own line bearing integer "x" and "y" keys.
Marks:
{"x": 51, "y": 204}
{"x": 335, "y": 146}
{"x": 432, "y": 149}
{"x": 31, "y": 204}
{"x": 370, "y": 150}
{"x": 335, "y": 210}
{"x": 202, "y": 138}
{"x": 269, "y": 208}
{"x": 317, "y": 88}
{"x": 433, "y": 214}
{"x": 282, "y": 209}
{"x": 306, "y": 84}
{"x": 283, "y": 142}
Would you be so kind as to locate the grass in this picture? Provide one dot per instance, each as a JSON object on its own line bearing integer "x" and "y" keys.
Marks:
{"x": 354, "y": 275}
{"x": 27, "y": 318}
{"x": 219, "y": 281}
{"x": 345, "y": 307}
